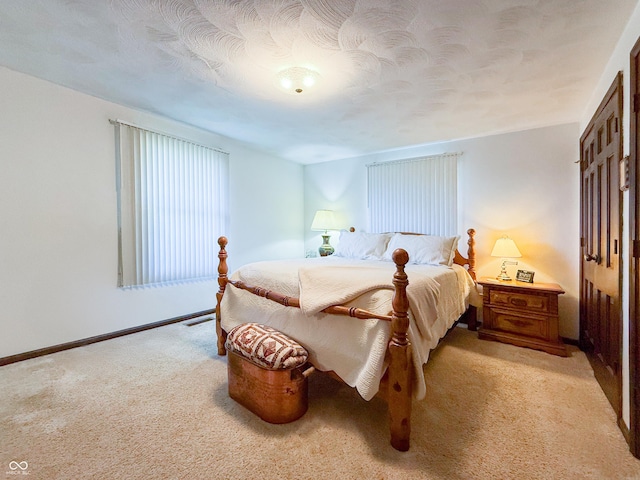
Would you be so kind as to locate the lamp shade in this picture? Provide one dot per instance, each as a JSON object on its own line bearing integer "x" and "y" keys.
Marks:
{"x": 324, "y": 220}
{"x": 505, "y": 248}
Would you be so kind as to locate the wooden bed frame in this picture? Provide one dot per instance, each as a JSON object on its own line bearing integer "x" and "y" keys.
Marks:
{"x": 397, "y": 384}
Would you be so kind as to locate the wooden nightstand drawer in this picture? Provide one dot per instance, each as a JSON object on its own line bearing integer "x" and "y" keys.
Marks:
{"x": 535, "y": 303}
{"x": 529, "y": 325}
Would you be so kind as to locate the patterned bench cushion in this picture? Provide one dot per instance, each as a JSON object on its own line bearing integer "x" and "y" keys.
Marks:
{"x": 266, "y": 346}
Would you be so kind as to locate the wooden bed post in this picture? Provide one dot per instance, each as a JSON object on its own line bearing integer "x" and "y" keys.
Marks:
{"x": 400, "y": 393}
{"x": 471, "y": 252}
{"x": 471, "y": 315}
{"x": 223, "y": 269}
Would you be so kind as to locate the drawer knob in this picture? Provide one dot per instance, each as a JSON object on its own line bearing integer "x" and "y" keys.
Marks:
{"x": 518, "y": 302}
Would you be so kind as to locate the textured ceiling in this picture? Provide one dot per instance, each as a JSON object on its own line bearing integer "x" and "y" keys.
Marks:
{"x": 392, "y": 73}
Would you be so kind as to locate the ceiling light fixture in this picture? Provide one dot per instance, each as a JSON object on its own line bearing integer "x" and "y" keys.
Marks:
{"x": 297, "y": 79}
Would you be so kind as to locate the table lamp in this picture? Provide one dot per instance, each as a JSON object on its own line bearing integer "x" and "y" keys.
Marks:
{"x": 323, "y": 221}
{"x": 505, "y": 248}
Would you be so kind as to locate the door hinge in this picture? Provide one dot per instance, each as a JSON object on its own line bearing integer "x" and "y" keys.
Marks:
{"x": 636, "y": 249}
{"x": 636, "y": 102}
{"x": 583, "y": 242}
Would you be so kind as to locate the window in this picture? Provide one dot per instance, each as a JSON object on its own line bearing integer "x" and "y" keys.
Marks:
{"x": 417, "y": 195}
{"x": 172, "y": 206}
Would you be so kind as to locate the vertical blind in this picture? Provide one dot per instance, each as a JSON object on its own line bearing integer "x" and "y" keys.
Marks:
{"x": 172, "y": 205}
{"x": 417, "y": 195}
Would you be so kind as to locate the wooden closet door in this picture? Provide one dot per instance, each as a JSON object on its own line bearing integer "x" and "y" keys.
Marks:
{"x": 634, "y": 270}
{"x": 600, "y": 287}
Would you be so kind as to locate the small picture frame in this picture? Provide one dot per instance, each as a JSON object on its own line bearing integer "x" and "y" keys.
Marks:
{"x": 525, "y": 276}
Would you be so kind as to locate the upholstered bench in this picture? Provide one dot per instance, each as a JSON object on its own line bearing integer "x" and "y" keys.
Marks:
{"x": 267, "y": 372}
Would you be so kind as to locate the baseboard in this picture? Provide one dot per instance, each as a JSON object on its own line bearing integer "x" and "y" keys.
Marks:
{"x": 100, "y": 338}
{"x": 625, "y": 430}
{"x": 571, "y": 341}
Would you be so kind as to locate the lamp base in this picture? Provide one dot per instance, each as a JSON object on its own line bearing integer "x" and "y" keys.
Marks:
{"x": 504, "y": 276}
{"x": 325, "y": 249}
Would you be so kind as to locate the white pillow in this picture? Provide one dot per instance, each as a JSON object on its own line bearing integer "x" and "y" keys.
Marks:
{"x": 424, "y": 249}
{"x": 361, "y": 245}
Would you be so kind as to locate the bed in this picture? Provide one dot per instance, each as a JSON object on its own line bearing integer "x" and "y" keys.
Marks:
{"x": 369, "y": 314}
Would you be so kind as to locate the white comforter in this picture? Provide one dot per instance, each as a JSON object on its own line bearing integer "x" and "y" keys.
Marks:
{"x": 354, "y": 349}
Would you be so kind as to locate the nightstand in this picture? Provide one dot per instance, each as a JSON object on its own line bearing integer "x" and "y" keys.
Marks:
{"x": 523, "y": 314}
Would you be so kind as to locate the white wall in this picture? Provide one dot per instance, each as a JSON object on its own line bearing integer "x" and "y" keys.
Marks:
{"x": 58, "y": 250}
{"x": 524, "y": 184}
{"x": 620, "y": 61}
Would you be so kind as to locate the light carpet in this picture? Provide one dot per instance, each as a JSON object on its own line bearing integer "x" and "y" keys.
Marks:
{"x": 154, "y": 405}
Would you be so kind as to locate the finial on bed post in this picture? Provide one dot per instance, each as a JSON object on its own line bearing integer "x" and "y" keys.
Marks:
{"x": 400, "y": 302}
{"x": 222, "y": 283}
{"x": 471, "y": 252}
{"x": 400, "y": 367}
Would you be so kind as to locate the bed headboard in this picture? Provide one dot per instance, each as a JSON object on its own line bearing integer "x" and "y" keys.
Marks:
{"x": 469, "y": 261}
